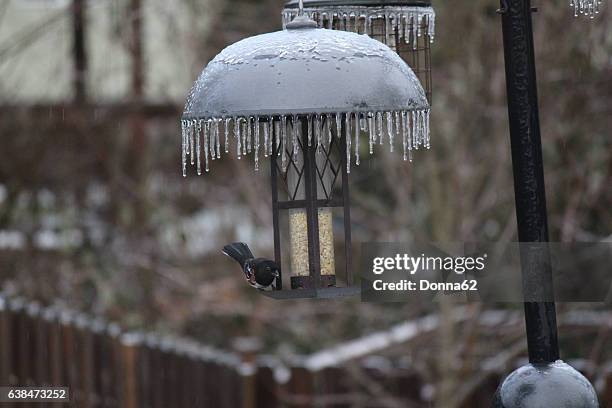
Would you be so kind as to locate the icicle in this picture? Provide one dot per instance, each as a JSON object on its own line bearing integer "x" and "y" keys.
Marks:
{"x": 294, "y": 135}
{"x": 310, "y": 124}
{"x": 256, "y": 143}
{"x": 184, "y": 147}
{"x": 420, "y": 129}
{"x": 372, "y": 130}
{"x": 379, "y": 127}
{"x": 415, "y": 28}
{"x": 365, "y": 128}
{"x": 405, "y": 134}
{"x": 390, "y": 129}
{"x": 347, "y": 138}
{"x": 318, "y": 131}
{"x": 238, "y": 137}
{"x": 226, "y": 132}
{"x": 427, "y": 134}
{"x": 284, "y": 142}
{"x": 192, "y": 144}
{"x": 217, "y": 138}
{"x": 391, "y": 40}
{"x": 410, "y": 136}
{"x": 209, "y": 131}
{"x": 206, "y": 144}
{"x": 329, "y": 128}
{"x": 266, "y": 129}
{"x": 388, "y": 29}
{"x": 413, "y": 130}
{"x": 397, "y": 125}
{"x": 243, "y": 131}
{"x": 357, "y": 134}
{"x": 270, "y": 135}
{"x": 338, "y": 126}
{"x": 198, "y": 146}
{"x": 249, "y": 134}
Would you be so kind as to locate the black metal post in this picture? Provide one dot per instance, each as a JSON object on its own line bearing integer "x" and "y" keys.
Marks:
{"x": 545, "y": 382}
{"x": 540, "y": 316}
{"x": 312, "y": 210}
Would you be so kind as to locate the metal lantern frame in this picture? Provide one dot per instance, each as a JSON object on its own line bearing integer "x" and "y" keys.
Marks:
{"x": 406, "y": 26}
{"x": 311, "y": 177}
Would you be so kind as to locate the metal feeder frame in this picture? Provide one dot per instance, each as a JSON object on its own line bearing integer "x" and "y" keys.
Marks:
{"x": 311, "y": 177}
{"x": 309, "y": 97}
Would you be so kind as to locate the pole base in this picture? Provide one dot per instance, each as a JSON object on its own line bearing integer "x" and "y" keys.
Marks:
{"x": 546, "y": 386}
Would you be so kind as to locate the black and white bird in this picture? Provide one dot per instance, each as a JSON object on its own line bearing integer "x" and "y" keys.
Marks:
{"x": 259, "y": 272}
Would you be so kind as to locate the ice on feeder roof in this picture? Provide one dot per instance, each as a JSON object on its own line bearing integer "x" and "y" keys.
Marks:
{"x": 304, "y": 71}
{"x": 326, "y": 77}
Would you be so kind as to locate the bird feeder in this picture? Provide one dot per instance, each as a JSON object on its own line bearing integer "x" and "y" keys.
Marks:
{"x": 406, "y": 26}
{"x": 589, "y": 8}
{"x": 311, "y": 100}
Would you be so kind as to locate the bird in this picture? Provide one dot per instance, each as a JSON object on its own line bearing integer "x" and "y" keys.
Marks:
{"x": 260, "y": 273}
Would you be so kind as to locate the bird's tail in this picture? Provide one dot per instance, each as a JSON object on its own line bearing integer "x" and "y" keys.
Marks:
{"x": 238, "y": 251}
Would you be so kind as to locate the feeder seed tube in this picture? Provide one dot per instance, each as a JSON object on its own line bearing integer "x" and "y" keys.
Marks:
{"x": 298, "y": 231}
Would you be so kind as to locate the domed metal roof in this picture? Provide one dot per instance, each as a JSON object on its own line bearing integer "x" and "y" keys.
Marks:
{"x": 299, "y": 73}
{"x": 302, "y": 71}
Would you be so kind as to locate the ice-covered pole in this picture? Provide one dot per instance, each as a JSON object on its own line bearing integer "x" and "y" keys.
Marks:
{"x": 528, "y": 170}
{"x": 546, "y": 381}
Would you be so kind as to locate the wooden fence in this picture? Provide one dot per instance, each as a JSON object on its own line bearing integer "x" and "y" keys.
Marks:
{"x": 105, "y": 367}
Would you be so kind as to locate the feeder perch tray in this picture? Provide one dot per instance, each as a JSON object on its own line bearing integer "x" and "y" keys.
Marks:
{"x": 320, "y": 293}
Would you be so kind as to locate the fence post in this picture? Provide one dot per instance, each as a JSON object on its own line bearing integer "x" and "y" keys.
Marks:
{"x": 300, "y": 388}
{"x": 54, "y": 349}
{"x": 266, "y": 386}
{"x": 69, "y": 374}
{"x": 20, "y": 342}
{"x": 247, "y": 348}
{"x": 5, "y": 344}
{"x": 129, "y": 345}
{"x": 113, "y": 343}
{"x": 98, "y": 362}
{"x": 85, "y": 360}
{"x": 157, "y": 380}
{"x": 36, "y": 355}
